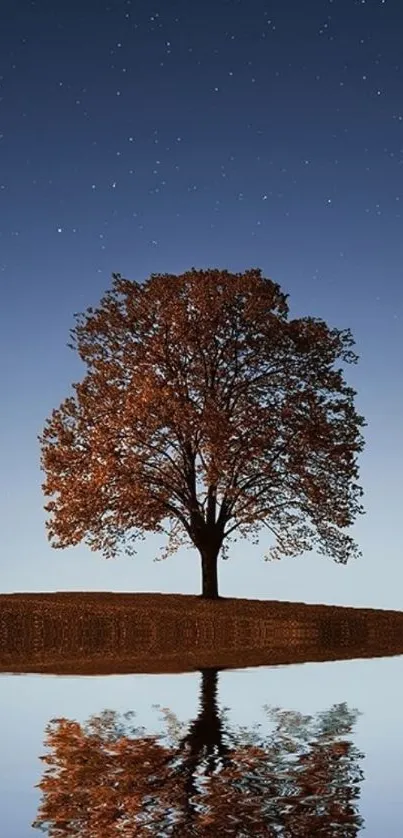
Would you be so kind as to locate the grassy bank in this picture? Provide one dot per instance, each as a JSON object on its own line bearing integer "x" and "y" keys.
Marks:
{"x": 97, "y": 632}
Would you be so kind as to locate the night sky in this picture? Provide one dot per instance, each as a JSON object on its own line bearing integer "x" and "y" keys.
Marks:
{"x": 144, "y": 137}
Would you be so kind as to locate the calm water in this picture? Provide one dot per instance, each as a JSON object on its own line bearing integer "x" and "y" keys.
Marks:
{"x": 299, "y": 750}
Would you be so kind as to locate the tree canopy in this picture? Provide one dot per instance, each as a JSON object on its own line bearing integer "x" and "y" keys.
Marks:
{"x": 205, "y": 413}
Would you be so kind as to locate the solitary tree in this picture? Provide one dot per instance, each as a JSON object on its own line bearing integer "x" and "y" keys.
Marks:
{"x": 205, "y": 413}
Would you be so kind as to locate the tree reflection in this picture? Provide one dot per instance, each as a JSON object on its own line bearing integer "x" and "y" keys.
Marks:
{"x": 107, "y": 778}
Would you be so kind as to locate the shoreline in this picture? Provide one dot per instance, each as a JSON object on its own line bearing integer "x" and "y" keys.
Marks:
{"x": 98, "y": 632}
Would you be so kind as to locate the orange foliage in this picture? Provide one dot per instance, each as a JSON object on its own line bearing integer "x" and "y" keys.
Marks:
{"x": 204, "y": 408}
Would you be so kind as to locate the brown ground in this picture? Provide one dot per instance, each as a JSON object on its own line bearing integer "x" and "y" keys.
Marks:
{"x": 97, "y": 632}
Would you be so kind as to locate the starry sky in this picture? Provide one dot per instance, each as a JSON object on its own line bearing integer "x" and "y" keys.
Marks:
{"x": 144, "y": 137}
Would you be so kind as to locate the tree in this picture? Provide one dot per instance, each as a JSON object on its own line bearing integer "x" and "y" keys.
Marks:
{"x": 205, "y": 413}
{"x": 104, "y": 778}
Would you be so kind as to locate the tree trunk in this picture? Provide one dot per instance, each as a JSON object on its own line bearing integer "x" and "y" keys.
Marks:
{"x": 209, "y": 557}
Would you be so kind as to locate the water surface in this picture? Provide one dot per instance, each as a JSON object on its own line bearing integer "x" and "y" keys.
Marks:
{"x": 303, "y": 749}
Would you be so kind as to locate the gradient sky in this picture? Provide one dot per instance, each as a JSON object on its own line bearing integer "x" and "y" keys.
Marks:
{"x": 141, "y": 137}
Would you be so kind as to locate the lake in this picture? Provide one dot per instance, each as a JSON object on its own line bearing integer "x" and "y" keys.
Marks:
{"x": 296, "y": 750}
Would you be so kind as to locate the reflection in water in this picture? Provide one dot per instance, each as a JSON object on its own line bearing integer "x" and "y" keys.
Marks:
{"x": 107, "y": 778}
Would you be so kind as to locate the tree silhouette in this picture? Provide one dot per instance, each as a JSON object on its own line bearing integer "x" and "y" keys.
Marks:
{"x": 205, "y": 414}
{"x": 105, "y": 779}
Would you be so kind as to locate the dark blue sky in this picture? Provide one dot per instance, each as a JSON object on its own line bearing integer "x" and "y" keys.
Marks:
{"x": 141, "y": 137}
